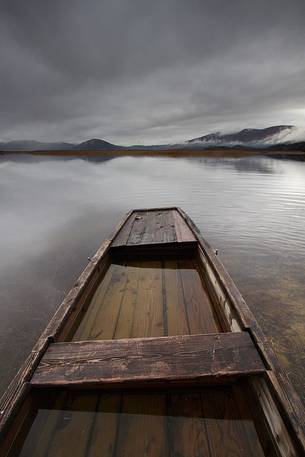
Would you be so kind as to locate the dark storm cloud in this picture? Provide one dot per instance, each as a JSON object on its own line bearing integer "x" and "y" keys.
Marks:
{"x": 148, "y": 71}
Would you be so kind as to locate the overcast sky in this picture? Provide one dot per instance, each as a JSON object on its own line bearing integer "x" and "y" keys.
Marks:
{"x": 139, "y": 71}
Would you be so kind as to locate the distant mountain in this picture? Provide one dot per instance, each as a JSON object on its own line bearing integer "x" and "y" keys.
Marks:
{"x": 248, "y": 137}
{"x": 286, "y": 137}
{"x": 95, "y": 145}
{"x": 32, "y": 145}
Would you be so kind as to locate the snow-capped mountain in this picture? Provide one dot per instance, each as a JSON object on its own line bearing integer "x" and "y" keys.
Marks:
{"x": 269, "y": 136}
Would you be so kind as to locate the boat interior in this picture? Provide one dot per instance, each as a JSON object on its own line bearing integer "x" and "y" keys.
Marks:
{"x": 153, "y": 353}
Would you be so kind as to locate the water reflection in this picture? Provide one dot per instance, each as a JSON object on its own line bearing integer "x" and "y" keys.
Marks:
{"x": 249, "y": 165}
{"x": 54, "y": 214}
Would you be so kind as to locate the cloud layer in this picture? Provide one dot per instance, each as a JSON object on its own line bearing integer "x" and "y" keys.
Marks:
{"x": 140, "y": 71}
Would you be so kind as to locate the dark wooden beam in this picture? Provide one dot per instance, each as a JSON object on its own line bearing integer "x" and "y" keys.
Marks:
{"x": 177, "y": 358}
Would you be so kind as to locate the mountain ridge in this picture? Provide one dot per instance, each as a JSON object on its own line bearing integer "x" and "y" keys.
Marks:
{"x": 245, "y": 136}
{"x": 269, "y": 137}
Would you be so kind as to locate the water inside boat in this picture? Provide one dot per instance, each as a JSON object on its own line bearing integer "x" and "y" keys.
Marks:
{"x": 213, "y": 422}
{"x": 156, "y": 297}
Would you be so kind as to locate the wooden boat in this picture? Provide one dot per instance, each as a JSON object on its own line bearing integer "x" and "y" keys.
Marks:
{"x": 152, "y": 353}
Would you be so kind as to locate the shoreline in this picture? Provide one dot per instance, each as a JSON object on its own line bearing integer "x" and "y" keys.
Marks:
{"x": 215, "y": 152}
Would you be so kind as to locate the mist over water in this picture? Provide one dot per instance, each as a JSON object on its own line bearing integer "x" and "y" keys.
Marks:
{"x": 54, "y": 213}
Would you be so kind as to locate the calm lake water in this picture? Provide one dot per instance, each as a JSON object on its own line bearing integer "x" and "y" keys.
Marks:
{"x": 54, "y": 214}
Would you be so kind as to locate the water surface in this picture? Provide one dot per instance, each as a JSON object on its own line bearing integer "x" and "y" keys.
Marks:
{"x": 54, "y": 213}
{"x": 150, "y": 424}
{"x": 148, "y": 298}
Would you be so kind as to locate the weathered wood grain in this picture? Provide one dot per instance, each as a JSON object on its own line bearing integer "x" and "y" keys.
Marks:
{"x": 103, "y": 326}
{"x": 125, "y": 318}
{"x": 89, "y": 315}
{"x": 149, "y": 227}
{"x": 15, "y": 436}
{"x": 72, "y": 437}
{"x": 123, "y": 234}
{"x": 176, "y": 313}
{"x": 148, "y": 319}
{"x": 228, "y": 428}
{"x": 142, "y": 427}
{"x": 180, "y": 358}
{"x": 198, "y": 305}
{"x": 183, "y": 231}
{"x": 105, "y": 429}
{"x": 187, "y": 426}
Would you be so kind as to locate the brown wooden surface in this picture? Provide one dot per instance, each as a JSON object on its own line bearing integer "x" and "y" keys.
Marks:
{"x": 103, "y": 438}
{"x": 173, "y": 295}
{"x": 148, "y": 298}
{"x": 209, "y": 422}
{"x": 142, "y": 427}
{"x": 154, "y": 227}
{"x": 199, "y": 357}
{"x": 201, "y": 317}
{"x": 229, "y": 437}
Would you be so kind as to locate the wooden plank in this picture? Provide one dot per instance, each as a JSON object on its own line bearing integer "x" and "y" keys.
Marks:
{"x": 123, "y": 235}
{"x": 186, "y": 426}
{"x": 148, "y": 317}
{"x": 149, "y": 235}
{"x": 183, "y": 232}
{"x": 259, "y": 434}
{"x": 12, "y": 442}
{"x": 170, "y": 235}
{"x": 142, "y": 427}
{"x": 153, "y": 227}
{"x": 177, "y": 319}
{"x": 198, "y": 305}
{"x": 83, "y": 330}
{"x": 163, "y": 227}
{"x": 18, "y": 390}
{"x": 104, "y": 324}
{"x": 125, "y": 320}
{"x": 225, "y": 426}
{"x": 180, "y": 358}
{"x": 43, "y": 428}
{"x": 105, "y": 429}
{"x": 138, "y": 229}
{"x": 61, "y": 427}
{"x": 160, "y": 227}
{"x": 73, "y": 429}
